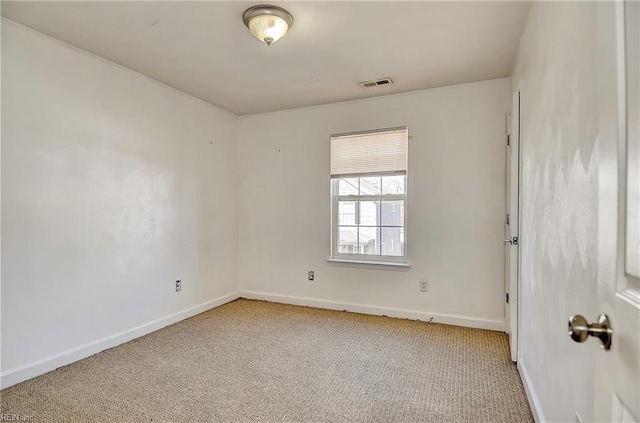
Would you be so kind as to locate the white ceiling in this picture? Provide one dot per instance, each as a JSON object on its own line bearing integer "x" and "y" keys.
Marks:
{"x": 204, "y": 49}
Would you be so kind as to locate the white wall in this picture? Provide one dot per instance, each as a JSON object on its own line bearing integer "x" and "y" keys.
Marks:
{"x": 1, "y": 24}
{"x": 556, "y": 74}
{"x": 113, "y": 187}
{"x": 455, "y": 205}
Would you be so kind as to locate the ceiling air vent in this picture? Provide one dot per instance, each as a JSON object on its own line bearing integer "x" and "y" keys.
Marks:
{"x": 382, "y": 81}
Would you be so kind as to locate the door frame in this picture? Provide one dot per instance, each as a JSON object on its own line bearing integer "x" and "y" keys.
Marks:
{"x": 519, "y": 253}
{"x": 514, "y": 289}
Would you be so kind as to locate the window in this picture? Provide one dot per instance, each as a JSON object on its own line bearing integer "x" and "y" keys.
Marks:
{"x": 369, "y": 195}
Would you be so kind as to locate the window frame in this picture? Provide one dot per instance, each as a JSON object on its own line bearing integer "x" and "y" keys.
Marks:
{"x": 336, "y": 198}
{"x": 370, "y": 259}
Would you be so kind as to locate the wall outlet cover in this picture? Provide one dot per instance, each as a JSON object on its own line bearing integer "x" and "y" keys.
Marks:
{"x": 424, "y": 285}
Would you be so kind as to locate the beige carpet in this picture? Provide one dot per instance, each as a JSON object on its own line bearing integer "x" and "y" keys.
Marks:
{"x": 263, "y": 362}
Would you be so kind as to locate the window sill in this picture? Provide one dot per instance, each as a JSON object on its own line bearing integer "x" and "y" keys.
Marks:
{"x": 388, "y": 265}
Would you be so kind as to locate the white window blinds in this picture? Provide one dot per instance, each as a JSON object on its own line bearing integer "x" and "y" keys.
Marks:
{"x": 383, "y": 151}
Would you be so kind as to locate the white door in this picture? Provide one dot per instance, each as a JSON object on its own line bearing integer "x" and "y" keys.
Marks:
{"x": 512, "y": 220}
{"x": 616, "y": 393}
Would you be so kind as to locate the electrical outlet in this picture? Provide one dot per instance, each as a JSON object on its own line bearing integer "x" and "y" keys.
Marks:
{"x": 178, "y": 285}
{"x": 311, "y": 276}
{"x": 424, "y": 285}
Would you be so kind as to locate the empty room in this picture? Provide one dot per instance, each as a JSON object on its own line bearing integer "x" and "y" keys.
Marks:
{"x": 320, "y": 211}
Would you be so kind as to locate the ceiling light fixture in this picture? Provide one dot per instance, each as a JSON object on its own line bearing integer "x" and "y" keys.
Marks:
{"x": 267, "y": 23}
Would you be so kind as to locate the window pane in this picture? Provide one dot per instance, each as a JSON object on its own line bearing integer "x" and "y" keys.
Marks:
{"x": 393, "y": 184}
{"x": 392, "y": 241}
{"x": 369, "y": 243}
{"x": 370, "y": 185}
{"x": 348, "y": 186}
{"x": 371, "y": 227}
{"x": 346, "y": 213}
{"x": 392, "y": 213}
{"x": 348, "y": 240}
{"x": 370, "y": 213}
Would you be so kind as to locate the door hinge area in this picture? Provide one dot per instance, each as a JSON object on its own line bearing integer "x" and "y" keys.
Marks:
{"x": 507, "y": 218}
{"x": 507, "y": 297}
{"x": 511, "y": 241}
{"x": 508, "y": 139}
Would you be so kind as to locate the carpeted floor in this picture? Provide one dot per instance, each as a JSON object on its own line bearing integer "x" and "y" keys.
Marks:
{"x": 264, "y": 362}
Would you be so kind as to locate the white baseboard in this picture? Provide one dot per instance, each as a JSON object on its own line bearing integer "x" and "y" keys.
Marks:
{"x": 534, "y": 403}
{"x": 448, "y": 319}
{"x": 17, "y": 375}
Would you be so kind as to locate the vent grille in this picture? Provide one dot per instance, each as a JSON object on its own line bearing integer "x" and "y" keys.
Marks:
{"x": 376, "y": 83}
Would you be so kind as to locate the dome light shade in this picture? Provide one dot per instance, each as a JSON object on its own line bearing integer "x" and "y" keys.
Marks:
{"x": 267, "y": 23}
